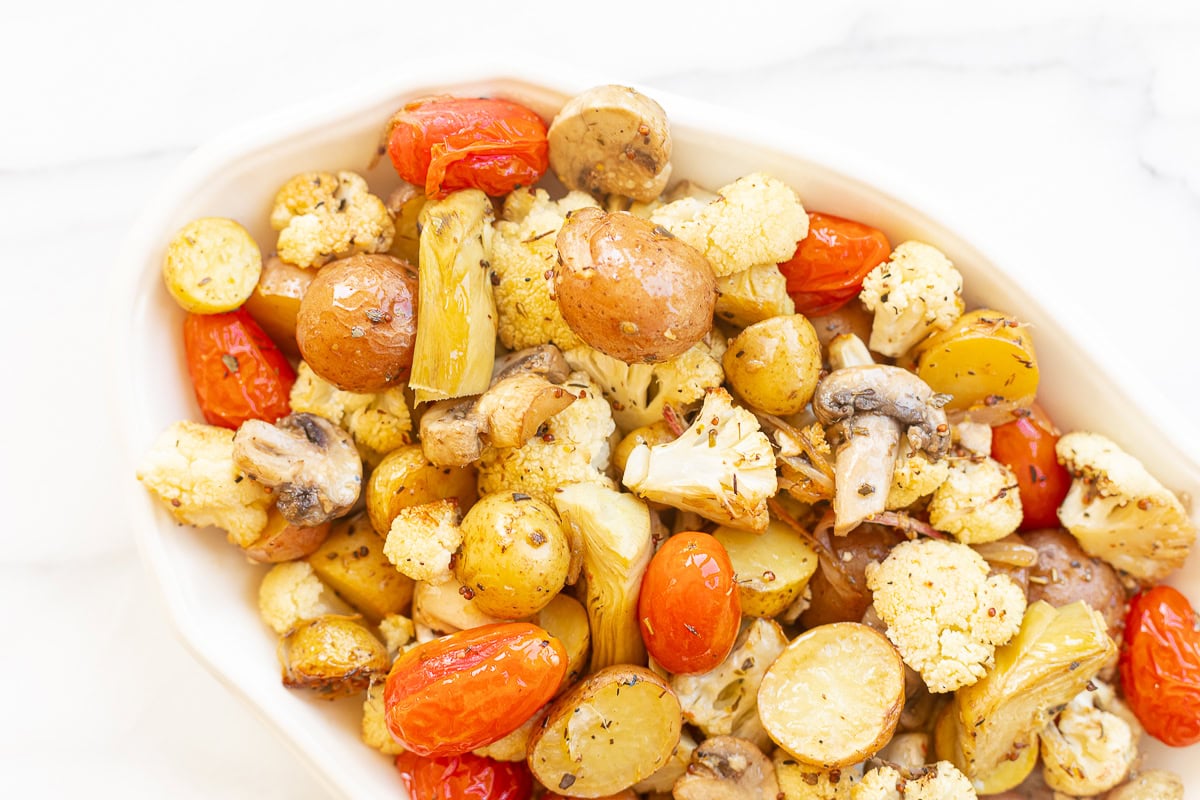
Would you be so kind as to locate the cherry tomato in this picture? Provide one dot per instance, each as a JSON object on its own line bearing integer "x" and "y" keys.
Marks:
{"x": 464, "y": 777}
{"x": 689, "y": 608}
{"x": 1160, "y": 665}
{"x": 830, "y": 263}
{"x": 468, "y": 689}
{"x": 1026, "y": 446}
{"x": 451, "y": 143}
{"x": 237, "y": 371}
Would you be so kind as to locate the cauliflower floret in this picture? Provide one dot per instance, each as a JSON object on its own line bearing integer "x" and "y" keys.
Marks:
{"x": 321, "y": 216}
{"x": 1155, "y": 784}
{"x": 523, "y": 255}
{"x": 190, "y": 468}
{"x": 755, "y": 220}
{"x": 913, "y": 294}
{"x": 722, "y": 467}
{"x": 975, "y": 437}
{"x": 915, "y": 476}
{"x": 941, "y": 781}
{"x": 977, "y": 502}
{"x": 801, "y": 782}
{"x": 398, "y": 631}
{"x": 1119, "y": 512}
{"x": 753, "y": 295}
{"x": 291, "y": 593}
{"x": 423, "y": 539}
{"x": 1085, "y": 749}
{"x": 638, "y": 392}
{"x": 943, "y": 612}
{"x": 573, "y": 446}
{"x": 375, "y": 731}
{"x": 378, "y": 423}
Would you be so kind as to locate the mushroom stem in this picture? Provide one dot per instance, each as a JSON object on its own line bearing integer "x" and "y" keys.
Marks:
{"x": 863, "y": 473}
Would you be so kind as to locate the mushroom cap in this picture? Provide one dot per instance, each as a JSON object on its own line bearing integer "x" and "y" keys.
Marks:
{"x": 884, "y": 390}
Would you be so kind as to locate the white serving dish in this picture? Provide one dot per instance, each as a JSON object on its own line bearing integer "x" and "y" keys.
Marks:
{"x": 209, "y": 587}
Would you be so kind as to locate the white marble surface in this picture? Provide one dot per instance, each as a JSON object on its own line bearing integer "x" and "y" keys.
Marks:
{"x": 1074, "y": 128}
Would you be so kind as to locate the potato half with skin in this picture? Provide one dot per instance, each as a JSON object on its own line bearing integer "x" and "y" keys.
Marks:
{"x": 406, "y": 478}
{"x": 834, "y": 696}
{"x": 609, "y": 732}
{"x": 566, "y": 619}
{"x": 332, "y": 655}
{"x": 212, "y": 266}
{"x": 282, "y": 540}
{"x": 275, "y": 301}
{"x": 352, "y": 563}
{"x": 772, "y": 567}
{"x": 630, "y": 289}
{"x": 774, "y": 365}
{"x": 358, "y": 322}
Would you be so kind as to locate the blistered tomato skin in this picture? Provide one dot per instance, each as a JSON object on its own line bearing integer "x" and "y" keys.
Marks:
{"x": 1026, "y": 446}
{"x": 1160, "y": 665}
{"x": 449, "y": 143}
{"x": 689, "y": 609}
{"x": 471, "y": 688}
{"x": 464, "y": 777}
{"x": 237, "y": 371}
{"x": 830, "y": 263}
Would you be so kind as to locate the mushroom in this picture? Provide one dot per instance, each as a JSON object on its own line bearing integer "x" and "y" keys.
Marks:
{"x": 312, "y": 463}
{"x": 612, "y": 140}
{"x": 728, "y": 768}
{"x": 874, "y": 404}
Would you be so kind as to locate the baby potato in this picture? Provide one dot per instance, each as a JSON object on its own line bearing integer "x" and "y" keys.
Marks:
{"x": 275, "y": 301}
{"x": 773, "y": 365}
{"x": 447, "y": 607}
{"x": 514, "y": 554}
{"x": 332, "y": 655}
{"x": 352, "y": 563}
{"x": 609, "y": 732}
{"x": 566, "y": 619}
{"x": 851, "y": 318}
{"x": 212, "y": 266}
{"x": 772, "y": 567}
{"x": 650, "y": 435}
{"x": 358, "y": 322}
{"x": 630, "y": 289}
{"x": 282, "y": 540}
{"x": 406, "y": 478}
{"x": 834, "y": 697}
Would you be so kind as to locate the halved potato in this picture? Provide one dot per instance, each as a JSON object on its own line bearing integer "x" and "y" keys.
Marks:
{"x": 834, "y": 697}
{"x": 212, "y": 265}
{"x": 352, "y": 563}
{"x": 609, "y": 732}
{"x": 566, "y": 619}
{"x": 772, "y": 567}
{"x": 282, "y": 540}
{"x": 332, "y": 655}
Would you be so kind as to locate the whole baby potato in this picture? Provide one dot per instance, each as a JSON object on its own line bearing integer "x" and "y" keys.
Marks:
{"x": 275, "y": 301}
{"x": 1064, "y": 573}
{"x": 514, "y": 555}
{"x": 773, "y": 365}
{"x": 358, "y": 322}
{"x": 630, "y": 289}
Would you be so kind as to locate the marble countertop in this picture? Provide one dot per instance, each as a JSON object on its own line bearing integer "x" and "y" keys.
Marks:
{"x": 1073, "y": 129}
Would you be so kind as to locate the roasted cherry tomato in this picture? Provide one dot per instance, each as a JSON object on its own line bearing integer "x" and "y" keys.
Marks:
{"x": 468, "y": 689}
{"x": 689, "y": 608}
{"x": 464, "y": 777}
{"x": 236, "y": 369}
{"x": 1026, "y": 446}
{"x": 1160, "y": 665}
{"x": 830, "y": 263}
{"x": 451, "y": 143}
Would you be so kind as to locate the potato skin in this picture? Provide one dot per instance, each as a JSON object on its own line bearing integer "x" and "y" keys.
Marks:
{"x": 774, "y": 365}
{"x": 275, "y": 301}
{"x": 406, "y": 478}
{"x": 631, "y": 289}
{"x": 358, "y": 322}
{"x": 284, "y": 541}
{"x": 332, "y": 655}
{"x": 1065, "y": 573}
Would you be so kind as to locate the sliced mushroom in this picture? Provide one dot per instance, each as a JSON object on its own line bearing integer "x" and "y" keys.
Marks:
{"x": 545, "y": 360}
{"x": 311, "y": 463}
{"x": 728, "y": 768}
{"x": 612, "y": 140}
{"x": 451, "y": 432}
{"x": 515, "y": 408}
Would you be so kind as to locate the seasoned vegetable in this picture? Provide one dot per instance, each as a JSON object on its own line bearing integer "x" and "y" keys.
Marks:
{"x": 729, "y": 768}
{"x": 332, "y": 655}
{"x": 830, "y": 263}
{"x": 321, "y": 216}
{"x": 977, "y": 502}
{"x": 406, "y": 478}
{"x": 212, "y": 265}
{"x": 566, "y": 619}
{"x": 753, "y": 295}
{"x": 424, "y": 539}
{"x": 447, "y": 607}
{"x": 773, "y": 365}
{"x": 291, "y": 593}
{"x": 915, "y": 293}
{"x": 839, "y": 586}
{"x": 1086, "y": 749}
{"x": 463, "y": 777}
{"x": 275, "y": 302}
{"x": 352, "y": 563}
{"x": 1160, "y": 665}
{"x": 1026, "y": 446}
{"x": 282, "y": 540}
{"x": 1064, "y": 573}
{"x": 773, "y": 567}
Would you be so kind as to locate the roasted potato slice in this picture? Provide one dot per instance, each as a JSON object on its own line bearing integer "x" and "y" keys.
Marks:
{"x": 772, "y": 567}
{"x": 609, "y": 732}
{"x": 566, "y": 619}
{"x": 834, "y": 696}
{"x": 352, "y": 563}
{"x": 334, "y": 656}
{"x": 406, "y": 477}
{"x": 212, "y": 265}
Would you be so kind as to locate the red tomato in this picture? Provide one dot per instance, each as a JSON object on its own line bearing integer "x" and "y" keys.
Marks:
{"x": 689, "y": 607}
{"x": 451, "y": 143}
{"x": 830, "y": 263}
{"x": 464, "y": 777}
{"x": 1026, "y": 446}
{"x": 1160, "y": 665}
{"x": 236, "y": 369}
{"x": 468, "y": 689}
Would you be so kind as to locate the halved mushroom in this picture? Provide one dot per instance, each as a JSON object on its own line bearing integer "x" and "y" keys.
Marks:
{"x": 873, "y": 404}
{"x": 311, "y": 463}
{"x": 728, "y": 768}
{"x": 612, "y": 140}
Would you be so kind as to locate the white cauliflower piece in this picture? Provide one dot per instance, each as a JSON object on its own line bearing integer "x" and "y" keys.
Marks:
{"x": 975, "y": 437}
{"x": 1155, "y": 784}
{"x": 801, "y": 782}
{"x": 914, "y": 476}
{"x": 941, "y": 781}
{"x": 291, "y": 593}
{"x": 638, "y": 392}
{"x": 1119, "y": 512}
{"x": 753, "y": 295}
{"x": 190, "y": 468}
{"x": 755, "y": 220}
{"x": 423, "y": 539}
{"x": 1085, "y": 749}
{"x": 977, "y": 502}
{"x": 913, "y": 294}
{"x": 523, "y": 256}
{"x": 573, "y": 446}
{"x": 722, "y": 467}
{"x": 321, "y": 216}
{"x": 943, "y": 612}
{"x": 375, "y": 731}
{"x": 378, "y": 423}
{"x": 398, "y": 631}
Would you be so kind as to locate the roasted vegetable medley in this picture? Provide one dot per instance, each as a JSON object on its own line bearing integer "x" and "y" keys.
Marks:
{"x": 626, "y": 487}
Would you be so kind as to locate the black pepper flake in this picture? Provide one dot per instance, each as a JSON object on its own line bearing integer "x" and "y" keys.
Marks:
{"x": 520, "y": 496}
{"x": 567, "y": 781}
{"x": 230, "y": 362}
{"x": 205, "y": 281}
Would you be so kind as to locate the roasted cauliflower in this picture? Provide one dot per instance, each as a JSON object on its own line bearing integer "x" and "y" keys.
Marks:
{"x": 915, "y": 293}
{"x": 398, "y": 632}
{"x": 977, "y": 502}
{"x": 940, "y": 781}
{"x": 915, "y": 476}
{"x": 423, "y": 540}
{"x": 378, "y": 423}
{"x": 1085, "y": 748}
{"x": 799, "y": 781}
{"x": 374, "y": 730}
{"x": 321, "y": 216}
{"x": 291, "y": 593}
